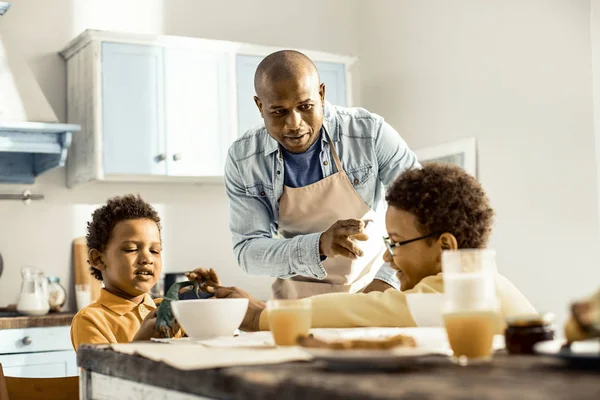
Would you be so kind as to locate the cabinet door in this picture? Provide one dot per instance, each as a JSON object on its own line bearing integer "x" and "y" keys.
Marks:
{"x": 248, "y": 114}
{"x": 334, "y": 77}
{"x": 332, "y": 74}
{"x": 52, "y": 364}
{"x": 197, "y": 106}
{"x": 133, "y": 109}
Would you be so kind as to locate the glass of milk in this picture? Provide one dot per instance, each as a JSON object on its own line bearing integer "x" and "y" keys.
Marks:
{"x": 83, "y": 295}
{"x": 470, "y": 304}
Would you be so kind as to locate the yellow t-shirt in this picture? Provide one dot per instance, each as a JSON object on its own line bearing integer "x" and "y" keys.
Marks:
{"x": 110, "y": 319}
{"x": 390, "y": 309}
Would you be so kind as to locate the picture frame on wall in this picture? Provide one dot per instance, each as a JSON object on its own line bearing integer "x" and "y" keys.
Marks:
{"x": 461, "y": 152}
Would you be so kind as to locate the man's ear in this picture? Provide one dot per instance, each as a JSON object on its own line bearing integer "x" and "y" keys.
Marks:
{"x": 322, "y": 93}
{"x": 96, "y": 260}
{"x": 259, "y": 104}
{"x": 447, "y": 241}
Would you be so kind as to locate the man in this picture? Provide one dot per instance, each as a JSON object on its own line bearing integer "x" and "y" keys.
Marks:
{"x": 307, "y": 186}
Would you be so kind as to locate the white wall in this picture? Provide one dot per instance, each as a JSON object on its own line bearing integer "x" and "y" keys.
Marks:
{"x": 195, "y": 217}
{"x": 595, "y": 46}
{"x": 517, "y": 76}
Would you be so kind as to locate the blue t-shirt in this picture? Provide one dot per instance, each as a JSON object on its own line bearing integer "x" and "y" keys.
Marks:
{"x": 303, "y": 169}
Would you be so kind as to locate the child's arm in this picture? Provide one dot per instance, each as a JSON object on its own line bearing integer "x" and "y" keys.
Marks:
{"x": 344, "y": 310}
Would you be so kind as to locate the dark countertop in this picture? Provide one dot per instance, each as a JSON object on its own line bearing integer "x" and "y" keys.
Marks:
{"x": 44, "y": 321}
{"x": 507, "y": 377}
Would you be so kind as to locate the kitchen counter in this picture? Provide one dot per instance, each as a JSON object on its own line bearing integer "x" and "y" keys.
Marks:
{"x": 114, "y": 375}
{"x": 48, "y": 320}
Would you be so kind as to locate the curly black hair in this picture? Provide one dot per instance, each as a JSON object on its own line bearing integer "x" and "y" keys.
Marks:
{"x": 445, "y": 198}
{"x": 104, "y": 219}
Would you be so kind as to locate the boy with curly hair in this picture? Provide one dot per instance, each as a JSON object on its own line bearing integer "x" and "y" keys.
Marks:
{"x": 125, "y": 247}
{"x": 432, "y": 209}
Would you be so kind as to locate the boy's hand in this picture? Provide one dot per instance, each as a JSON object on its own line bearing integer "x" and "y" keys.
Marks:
{"x": 205, "y": 278}
{"x": 251, "y": 319}
{"x": 377, "y": 286}
{"x": 148, "y": 328}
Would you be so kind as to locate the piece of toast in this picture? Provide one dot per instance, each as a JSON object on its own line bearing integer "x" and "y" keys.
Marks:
{"x": 370, "y": 344}
{"x": 584, "y": 322}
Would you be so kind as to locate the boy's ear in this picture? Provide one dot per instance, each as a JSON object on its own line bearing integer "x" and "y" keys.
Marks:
{"x": 448, "y": 241}
{"x": 96, "y": 260}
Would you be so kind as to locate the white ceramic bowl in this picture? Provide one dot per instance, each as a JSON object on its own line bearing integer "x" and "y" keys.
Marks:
{"x": 426, "y": 309}
{"x": 209, "y": 318}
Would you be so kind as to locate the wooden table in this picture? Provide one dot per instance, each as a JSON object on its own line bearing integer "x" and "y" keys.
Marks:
{"x": 117, "y": 375}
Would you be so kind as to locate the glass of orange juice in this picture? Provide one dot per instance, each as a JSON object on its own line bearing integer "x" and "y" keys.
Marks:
{"x": 289, "y": 319}
{"x": 470, "y": 305}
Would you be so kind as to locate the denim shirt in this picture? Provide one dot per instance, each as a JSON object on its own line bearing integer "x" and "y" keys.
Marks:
{"x": 372, "y": 155}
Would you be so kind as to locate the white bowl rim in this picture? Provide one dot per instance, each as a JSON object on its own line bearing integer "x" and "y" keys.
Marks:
{"x": 212, "y": 300}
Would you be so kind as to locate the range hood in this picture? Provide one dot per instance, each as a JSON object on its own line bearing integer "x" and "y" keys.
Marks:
{"x": 31, "y": 139}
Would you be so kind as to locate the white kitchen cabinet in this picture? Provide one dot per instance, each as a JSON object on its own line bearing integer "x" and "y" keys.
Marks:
{"x": 52, "y": 364}
{"x": 149, "y": 112}
{"x": 198, "y": 121}
{"x": 37, "y": 352}
{"x": 164, "y": 108}
{"x": 133, "y": 94}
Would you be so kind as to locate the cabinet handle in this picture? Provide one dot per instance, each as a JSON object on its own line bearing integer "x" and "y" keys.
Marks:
{"x": 177, "y": 157}
{"x": 26, "y": 341}
{"x": 161, "y": 157}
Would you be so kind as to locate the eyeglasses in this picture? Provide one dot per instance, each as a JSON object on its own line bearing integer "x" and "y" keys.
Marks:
{"x": 391, "y": 245}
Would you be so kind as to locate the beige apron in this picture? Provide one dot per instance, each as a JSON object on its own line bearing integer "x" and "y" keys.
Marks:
{"x": 314, "y": 208}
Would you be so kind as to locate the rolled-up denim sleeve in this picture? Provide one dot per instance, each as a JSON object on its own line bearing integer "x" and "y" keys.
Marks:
{"x": 387, "y": 274}
{"x": 254, "y": 247}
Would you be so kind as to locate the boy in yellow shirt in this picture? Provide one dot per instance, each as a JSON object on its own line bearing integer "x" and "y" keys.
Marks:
{"x": 436, "y": 208}
{"x": 125, "y": 252}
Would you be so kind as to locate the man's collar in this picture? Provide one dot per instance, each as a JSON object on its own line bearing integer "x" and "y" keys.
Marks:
{"x": 329, "y": 126}
{"x": 122, "y": 306}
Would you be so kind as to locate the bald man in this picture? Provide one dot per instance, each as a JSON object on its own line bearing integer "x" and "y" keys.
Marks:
{"x": 306, "y": 188}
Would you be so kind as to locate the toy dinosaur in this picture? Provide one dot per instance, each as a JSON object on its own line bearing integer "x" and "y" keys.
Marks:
{"x": 166, "y": 325}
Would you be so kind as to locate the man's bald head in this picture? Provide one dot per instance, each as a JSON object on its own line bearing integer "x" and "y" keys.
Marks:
{"x": 291, "y": 99}
{"x": 282, "y": 66}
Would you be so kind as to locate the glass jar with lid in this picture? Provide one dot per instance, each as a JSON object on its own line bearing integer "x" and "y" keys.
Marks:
{"x": 523, "y": 332}
{"x": 57, "y": 295}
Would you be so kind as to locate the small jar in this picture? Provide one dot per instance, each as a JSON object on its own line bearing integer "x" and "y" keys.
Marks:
{"x": 57, "y": 295}
{"x": 523, "y": 332}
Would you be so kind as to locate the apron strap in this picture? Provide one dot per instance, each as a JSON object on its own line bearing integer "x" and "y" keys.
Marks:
{"x": 334, "y": 153}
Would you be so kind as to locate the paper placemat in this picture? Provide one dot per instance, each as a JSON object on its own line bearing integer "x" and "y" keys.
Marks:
{"x": 251, "y": 339}
{"x": 191, "y": 356}
{"x": 257, "y": 348}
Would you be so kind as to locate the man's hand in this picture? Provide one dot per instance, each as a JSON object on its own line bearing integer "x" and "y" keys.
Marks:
{"x": 205, "y": 278}
{"x": 148, "y": 328}
{"x": 337, "y": 240}
{"x": 255, "y": 306}
{"x": 377, "y": 285}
